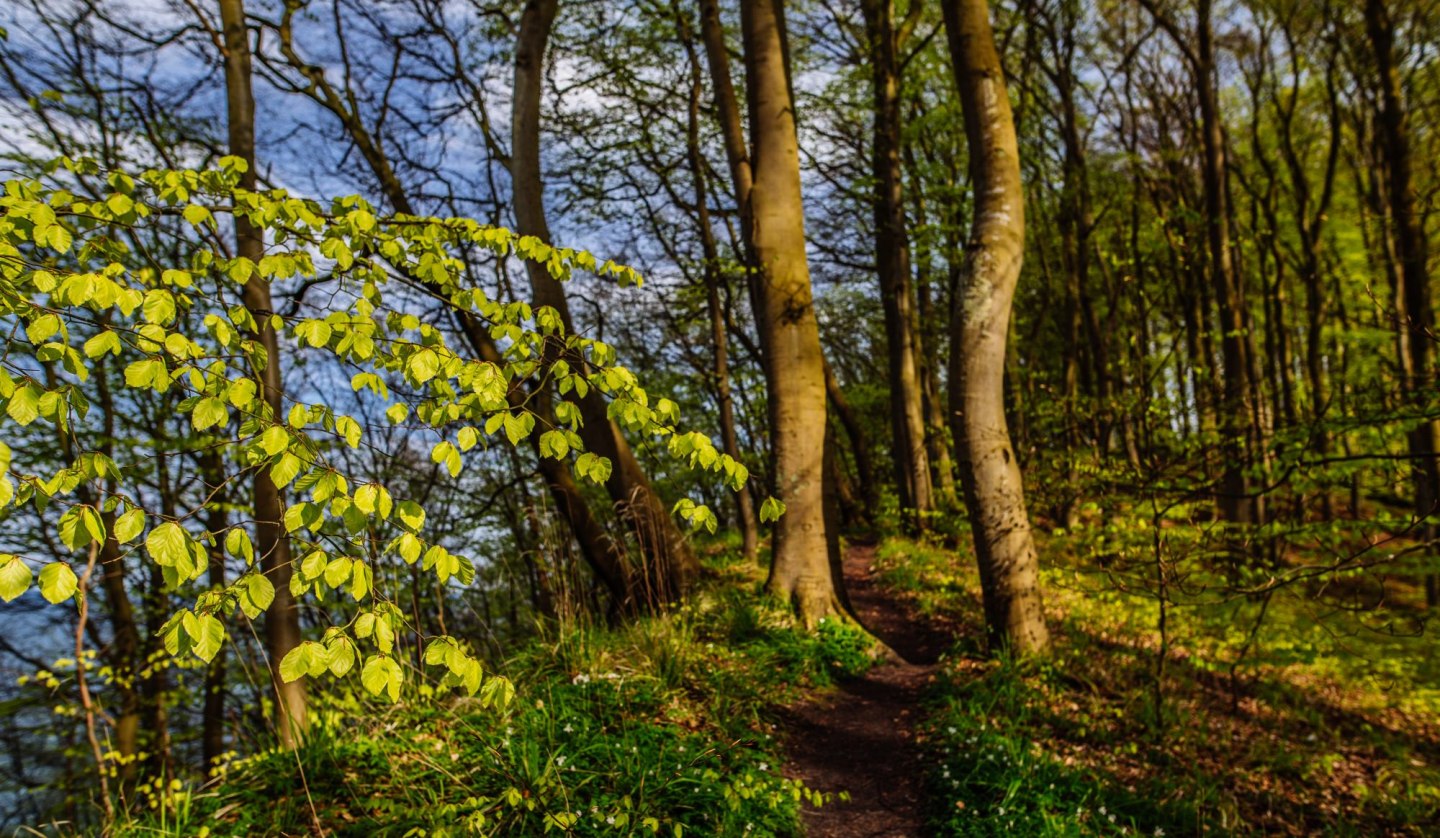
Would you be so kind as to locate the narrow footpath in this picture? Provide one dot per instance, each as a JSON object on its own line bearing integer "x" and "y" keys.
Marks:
{"x": 861, "y": 737}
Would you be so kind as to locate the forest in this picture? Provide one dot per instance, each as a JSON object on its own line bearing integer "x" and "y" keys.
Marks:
{"x": 719, "y": 417}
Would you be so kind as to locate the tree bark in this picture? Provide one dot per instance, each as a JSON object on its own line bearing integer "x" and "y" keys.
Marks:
{"x": 744, "y": 504}
{"x": 1418, "y": 318}
{"x": 282, "y": 619}
{"x": 892, "y": 261}
{"x": 670, "y": 566}
{"x": 980, "y": 323}
{"x": 801, "y": 572}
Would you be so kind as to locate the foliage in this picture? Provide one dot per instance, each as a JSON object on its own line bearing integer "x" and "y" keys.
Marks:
{"x": 84, "y": 288}
{"x": 1074, "y": 746}
{"x": 663, "y": 726}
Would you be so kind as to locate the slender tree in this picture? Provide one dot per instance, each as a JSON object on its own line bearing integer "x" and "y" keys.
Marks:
{"x": 980, "y": 325}
{"x": 282, "y": 620}
{"x": 801, "y": 572}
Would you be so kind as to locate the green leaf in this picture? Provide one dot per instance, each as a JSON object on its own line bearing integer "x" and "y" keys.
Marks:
{"x": 208, "y": 413}
{"x": 382, "y": 673}
{"x": 80, "y": 526}
{"x": 196, "y": 214}
{"x": 15, "y": 577}
{"x": 423, "y": 365}
{"x": 259, "y": 592}
{"x": 24, "y": 405}
{"x": 295, "y": 663}
{"x": 130, "y": 525}
{"x": 169, "y": 545}
{"x": 42, "y": 328}
{"x": 58, "y": 582}
{"x": 274, "y": 440}
{"x": 101, "y": 343}
{"x": 285, "y": 470}
{"x": 771, "y": 510}
{"x": 208, "y": 635}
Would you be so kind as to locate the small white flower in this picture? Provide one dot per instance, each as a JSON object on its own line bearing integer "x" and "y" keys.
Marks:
{"x": 1159, "y": 832}
{"x": 1002, "y": 810}
{"x": 1102, "y": 810}
{"x": 560, "y": 760}
{"x": 610, "y": 820}
{"x": 571, "y": 729}
{"x": 764, "y": 766}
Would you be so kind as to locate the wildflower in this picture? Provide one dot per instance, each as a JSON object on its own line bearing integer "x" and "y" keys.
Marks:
{"x": 1002, "y": 811}
{"x": 560, "y": 761}
{"x": 764, "y": 766}
{"x": 1102, "y": 810}
{"x": 1159, "y": 832}
{"x": 569, "y": 728}
{"x": 610, "y": 820}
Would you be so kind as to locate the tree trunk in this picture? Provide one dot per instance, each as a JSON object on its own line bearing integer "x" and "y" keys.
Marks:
{"x": 1411, "y": 248}
{"x": 801, "y": 572}
{"x": 1237, "y": 426}
{"x": 744, "y": 504}
{"x": 669, "y": 565}
{"x": 282, "y": 619}
{"x": 212, "y": 733}
{"x": 892, "y": 261}
{"x": 980, "y": 323}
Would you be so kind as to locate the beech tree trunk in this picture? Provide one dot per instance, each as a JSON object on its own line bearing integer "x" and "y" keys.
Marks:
{"x": 282, "y": 619}
{"x": 892, "y": 262}
{"x": 801, "y": 572}
{"x": 980, "y": 324}
{"x": 1417, "y": 318}
{"x": 668, "y": 563}
{"x": 744, "y": 503}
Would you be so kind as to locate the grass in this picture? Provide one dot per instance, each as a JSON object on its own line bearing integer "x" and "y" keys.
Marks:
{"x": 664, "y": 726}
{"x": 1318, "y": 724}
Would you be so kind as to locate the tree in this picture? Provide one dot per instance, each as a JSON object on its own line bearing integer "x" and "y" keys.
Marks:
{"x": 892, "y": 260}
{"x": 980, "y": 325}
{"x": 801, "y": 571}
{"x": 282, "y": 620}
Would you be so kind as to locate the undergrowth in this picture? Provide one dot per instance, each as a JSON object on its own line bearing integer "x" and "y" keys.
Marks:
{"x": 662, "y": 726}
{"x": 1310, "y": 726}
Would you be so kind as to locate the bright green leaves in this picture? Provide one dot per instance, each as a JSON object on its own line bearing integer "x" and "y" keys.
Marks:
{"x": 314, "y": 332}
{"x": 445, "y": 453}
{"x": 180, "y": 326}
{"x": 593, "y": 467}
{"x": 423, "y": 365}
{"x": 181, "y": 557}
{"x": 58, "y": 582}
{"x": 771, "y": 510}
{"x": 373, "y": 499}
{"x": 309, "y": 658}
{"x": 159, "y": 307}
{"x": 349, "y": 430}
{"x": 102, "y": 343}
{"x": 15, "y": 577}
{"x": 200, "y": 632}
{"x": 382, "y": 673}
{"x": 42, "y": 328}
{"x": 80, "y": 526}
{"x": 275, "y": 440}
{"x": 517, "y": 426}
{"x": 255, "y": 594}
{"x": 24, "y": 405}
{"x": 129, "y": 526}
{"x": 208, "y": 413}
{"x": 206, "y": 634}
{"x": 697, "y": 514}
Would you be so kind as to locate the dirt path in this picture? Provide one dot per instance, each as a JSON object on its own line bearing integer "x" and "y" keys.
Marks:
{"x": 860, "y": 738}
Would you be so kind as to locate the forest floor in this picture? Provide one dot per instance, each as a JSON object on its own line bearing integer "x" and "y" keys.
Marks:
{"x": 861, "y": 737}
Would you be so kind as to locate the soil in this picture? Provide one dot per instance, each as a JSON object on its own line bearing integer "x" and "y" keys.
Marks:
{"x": 861, "y": 738}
